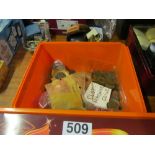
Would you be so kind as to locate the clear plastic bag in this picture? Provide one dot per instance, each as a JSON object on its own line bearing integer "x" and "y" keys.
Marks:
{"x": 105, "y": 87}
{"x": 44, "y": 101}
{"x": 45, "y": 35}
{"x": 65, "y": 94}
{"x": 83, "y": 80}
{"x": 97, "y": 89}
{"x": 108, "y": 26}
{"x": 59, "y": 71}
{"x": 64, "y": 90}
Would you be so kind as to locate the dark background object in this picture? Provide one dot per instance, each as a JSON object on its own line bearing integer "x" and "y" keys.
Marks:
{"x": 122, "y": 26}
{"x": 79, "y": 35}
{"x": 30, "y": 21}
{"x": 150, "y": 55}
{"x": 54, "y": 27}
{"x": 145, "y": 76}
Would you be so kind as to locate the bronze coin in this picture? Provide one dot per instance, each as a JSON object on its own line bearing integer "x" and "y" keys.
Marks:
{"x": 113, "y": 105}
{"x": 60, "y": 75}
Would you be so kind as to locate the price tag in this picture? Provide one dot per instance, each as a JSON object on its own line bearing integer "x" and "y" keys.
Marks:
{"x": 98, "y": 95}
{"x": 76, "y": 128}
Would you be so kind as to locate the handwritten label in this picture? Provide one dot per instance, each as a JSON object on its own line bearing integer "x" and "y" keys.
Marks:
{"x": 98, "y": 95}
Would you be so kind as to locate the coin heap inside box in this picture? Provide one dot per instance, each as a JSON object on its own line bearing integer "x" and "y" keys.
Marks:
{"x": 68, "y": 89}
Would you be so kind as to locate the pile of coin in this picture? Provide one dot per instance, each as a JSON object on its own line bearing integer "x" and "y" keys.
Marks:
{"x": 109, "y": 80}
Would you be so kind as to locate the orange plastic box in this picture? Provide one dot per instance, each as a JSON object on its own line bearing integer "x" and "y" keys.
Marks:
{"x": 80, "y": 57}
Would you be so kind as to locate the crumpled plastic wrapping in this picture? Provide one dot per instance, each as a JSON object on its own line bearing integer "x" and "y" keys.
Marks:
{"x": 109, "y": 80}
{"x": 65, "y": 94}
{"x": 44, "y": 101}
{"x": 59, "y": 71}
{"x": 108, "y": 26}
{"x": 83, "y": 79}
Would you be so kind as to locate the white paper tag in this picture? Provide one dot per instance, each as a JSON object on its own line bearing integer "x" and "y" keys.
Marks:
{"x": 76, "y": 128}
{"x": 65, "y": 24}
{"x": 98, "y": 95}
{"x": 99, "y": 30}
{"x": 93, "y": 32}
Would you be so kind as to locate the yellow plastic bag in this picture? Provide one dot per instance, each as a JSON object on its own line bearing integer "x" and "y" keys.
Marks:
{"x": 65, "y": 94}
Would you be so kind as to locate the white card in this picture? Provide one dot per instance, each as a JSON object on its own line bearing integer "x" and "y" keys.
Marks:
{"x": 65, "y": 24}
{"x": 76, "y": 128}
{"x": 98, "y": 95}
{"x": 93, "y": 32}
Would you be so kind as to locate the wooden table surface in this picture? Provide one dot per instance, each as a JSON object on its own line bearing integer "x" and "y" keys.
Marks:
{"x": 16, "y": 72}
{"x": 17, "y": 69}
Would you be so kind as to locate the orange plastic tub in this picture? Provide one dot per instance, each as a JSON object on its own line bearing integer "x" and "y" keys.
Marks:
{"x": 80, "y": 57}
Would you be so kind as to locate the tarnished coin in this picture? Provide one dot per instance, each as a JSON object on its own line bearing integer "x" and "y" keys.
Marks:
{"x": 105, "y": 78}
{"x": 60, "y": 75}
{"x": 113, "y": 105}
{"x": 115, "y": 95}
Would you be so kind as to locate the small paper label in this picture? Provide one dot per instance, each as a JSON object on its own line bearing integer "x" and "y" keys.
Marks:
{"x": 98, "y": 95}
{"x": 65, "y": 24}
{"x": 76, "y": 128}
{"x": 93, "y": 32}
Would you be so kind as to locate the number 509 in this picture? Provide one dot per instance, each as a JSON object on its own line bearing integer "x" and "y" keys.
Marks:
{"x": 77, "y": 128}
